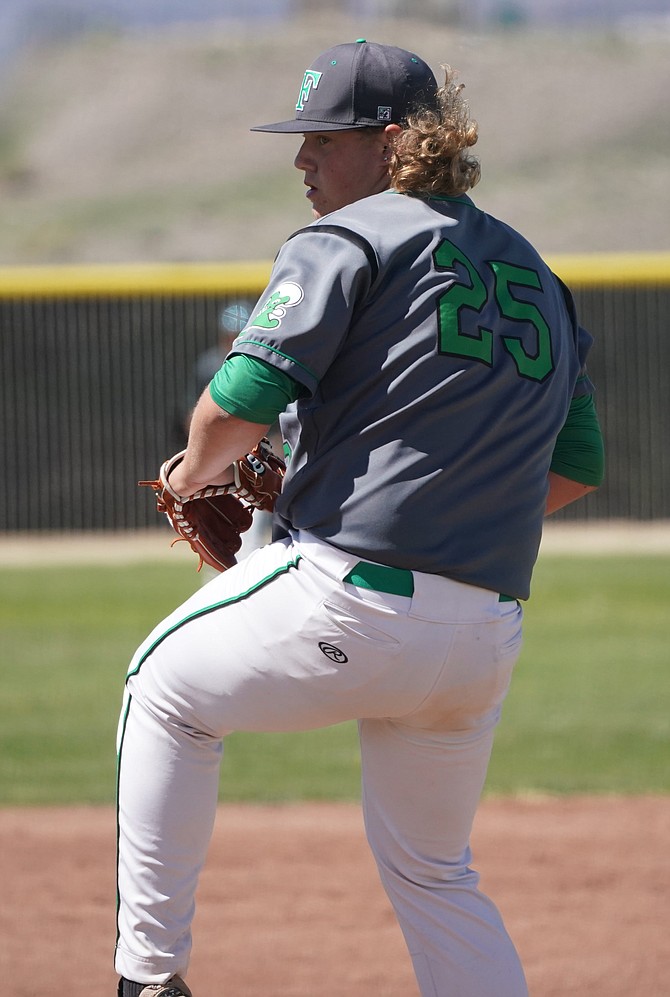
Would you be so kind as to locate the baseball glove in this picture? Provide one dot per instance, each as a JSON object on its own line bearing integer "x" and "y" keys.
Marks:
{"x": 213, "y": 518}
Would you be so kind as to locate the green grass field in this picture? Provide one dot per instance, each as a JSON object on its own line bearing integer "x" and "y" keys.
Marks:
{"x": 588, "y": 711}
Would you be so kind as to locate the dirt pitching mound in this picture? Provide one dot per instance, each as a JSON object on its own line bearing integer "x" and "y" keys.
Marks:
{"x": 290, "y": 904}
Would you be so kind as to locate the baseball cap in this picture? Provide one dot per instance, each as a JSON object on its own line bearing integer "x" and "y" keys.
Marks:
{"x": 358, "y": 85}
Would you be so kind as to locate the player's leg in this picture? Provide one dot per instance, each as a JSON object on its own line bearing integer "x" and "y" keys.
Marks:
{"x": 422, "y": 780}
{"x": 167, "y": 797}
{"x": 252, "y": 650}
{"x": 174, "y": 716}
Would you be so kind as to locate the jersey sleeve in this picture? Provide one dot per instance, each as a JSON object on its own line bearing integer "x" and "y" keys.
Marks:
{"x": 252, "y": 389}
{"x": 303, "y": 317}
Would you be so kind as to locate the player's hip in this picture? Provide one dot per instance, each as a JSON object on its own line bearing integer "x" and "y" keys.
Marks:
{"x": 298, "y": 636}
{"x": 416, "y": 594}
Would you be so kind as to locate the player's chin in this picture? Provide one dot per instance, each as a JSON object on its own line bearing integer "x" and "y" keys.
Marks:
{"x": 317, "y": 204}
{"x": 317, "y": 211}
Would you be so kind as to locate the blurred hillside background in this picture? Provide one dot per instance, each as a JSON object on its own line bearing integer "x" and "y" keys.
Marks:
{"x": 124, "y": 126}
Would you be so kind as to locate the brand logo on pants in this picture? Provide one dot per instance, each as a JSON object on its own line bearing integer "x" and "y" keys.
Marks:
{"x": 332, "y": 652}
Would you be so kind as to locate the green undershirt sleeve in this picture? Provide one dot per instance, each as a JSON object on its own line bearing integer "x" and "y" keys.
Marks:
{"x": 252, "y": 389}
{"x": 579, "y": 452}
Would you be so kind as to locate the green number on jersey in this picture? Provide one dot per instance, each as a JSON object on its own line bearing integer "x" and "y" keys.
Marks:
{"x": 455, "y": 342}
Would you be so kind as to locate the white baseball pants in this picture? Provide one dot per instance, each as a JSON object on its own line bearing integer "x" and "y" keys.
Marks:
{"x": 280, "y": 643}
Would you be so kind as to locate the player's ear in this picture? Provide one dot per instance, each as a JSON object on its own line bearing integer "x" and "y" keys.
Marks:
{"x": 389, "y": 134}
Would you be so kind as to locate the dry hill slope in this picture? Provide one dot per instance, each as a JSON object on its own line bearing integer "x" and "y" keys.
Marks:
{"x": 137, "y": 147}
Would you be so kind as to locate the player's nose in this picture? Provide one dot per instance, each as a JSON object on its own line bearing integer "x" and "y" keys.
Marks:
{"x": 302, "y": 161}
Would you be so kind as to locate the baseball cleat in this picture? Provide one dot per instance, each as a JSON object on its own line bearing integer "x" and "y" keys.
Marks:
{"x": 175, "y": 987}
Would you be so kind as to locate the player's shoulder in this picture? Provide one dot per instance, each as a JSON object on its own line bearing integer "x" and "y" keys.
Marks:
{"x": 356, "y": 229}
{"x": 380, "y": 222}
{"x": 379, "y": 212}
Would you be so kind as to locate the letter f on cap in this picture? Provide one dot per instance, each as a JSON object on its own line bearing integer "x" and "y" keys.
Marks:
{"x": 309, "y": 80}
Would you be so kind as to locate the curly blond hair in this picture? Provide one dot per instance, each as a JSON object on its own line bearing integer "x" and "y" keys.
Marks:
{"x": 430, "y": 156}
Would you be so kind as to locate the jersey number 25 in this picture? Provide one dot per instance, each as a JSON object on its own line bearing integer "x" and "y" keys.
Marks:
{"x": 453, "y": 340}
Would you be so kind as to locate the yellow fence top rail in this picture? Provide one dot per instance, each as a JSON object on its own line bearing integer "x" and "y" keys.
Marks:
{"x": 607, "y": 269}
{"x": 133, "y": 279}
{"x": 577, "y": 270}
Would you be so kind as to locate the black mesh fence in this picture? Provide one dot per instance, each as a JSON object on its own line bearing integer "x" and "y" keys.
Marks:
{"x": 95, "y": 388}
{"x": 630, "y": 365}
{"x": 95, "y": 393}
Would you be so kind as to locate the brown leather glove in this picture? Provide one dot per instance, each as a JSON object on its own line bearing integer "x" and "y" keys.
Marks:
{"x": 213, "y": 518}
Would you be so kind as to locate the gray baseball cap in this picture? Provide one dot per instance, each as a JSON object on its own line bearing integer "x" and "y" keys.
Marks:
{"x": 358, "y": 85}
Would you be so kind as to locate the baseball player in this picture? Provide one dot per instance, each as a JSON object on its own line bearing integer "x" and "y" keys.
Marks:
{"x": 429, "y": 374}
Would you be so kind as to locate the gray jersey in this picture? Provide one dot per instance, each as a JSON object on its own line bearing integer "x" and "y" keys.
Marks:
{"x": 439, "y": 356}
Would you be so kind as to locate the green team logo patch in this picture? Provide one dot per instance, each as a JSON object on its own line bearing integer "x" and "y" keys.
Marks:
{"x": 310, "y": 81}
{"x": 287, "y": 295}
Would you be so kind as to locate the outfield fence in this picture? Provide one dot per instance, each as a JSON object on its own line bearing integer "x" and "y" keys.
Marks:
{"x": 98, "y": 372}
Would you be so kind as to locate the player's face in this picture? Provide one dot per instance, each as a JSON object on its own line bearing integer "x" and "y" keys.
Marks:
{"x": 342, "y": 167}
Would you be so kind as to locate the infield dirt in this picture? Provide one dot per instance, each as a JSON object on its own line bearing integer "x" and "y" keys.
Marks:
{"x": 290, "y": 904}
